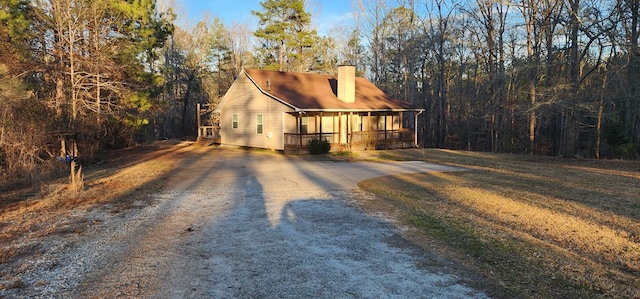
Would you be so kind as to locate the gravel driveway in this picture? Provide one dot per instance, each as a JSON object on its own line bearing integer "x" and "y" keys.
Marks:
{"x": 235, "y": 224}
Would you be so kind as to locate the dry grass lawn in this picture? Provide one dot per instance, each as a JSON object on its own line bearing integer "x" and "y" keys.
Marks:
{"x": 530, "y": 226}
{"x": 129, "y": 176}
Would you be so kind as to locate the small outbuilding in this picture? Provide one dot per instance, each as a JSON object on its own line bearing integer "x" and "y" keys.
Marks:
{"x": 286, "y": 110}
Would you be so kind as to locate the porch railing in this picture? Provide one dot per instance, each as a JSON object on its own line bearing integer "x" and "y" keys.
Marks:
{"x": 402, "y": 138}
{"x": 208, "y": 131}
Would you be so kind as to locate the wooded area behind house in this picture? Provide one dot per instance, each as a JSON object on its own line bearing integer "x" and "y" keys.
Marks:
{"x": 548, "y": 77}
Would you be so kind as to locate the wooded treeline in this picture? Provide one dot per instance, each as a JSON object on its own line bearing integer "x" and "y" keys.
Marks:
{"x": 82, "y": 70}
{"x": 552, "y": 77}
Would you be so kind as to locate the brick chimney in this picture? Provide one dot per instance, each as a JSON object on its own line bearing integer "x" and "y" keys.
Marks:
{"x": 347, "y": 83}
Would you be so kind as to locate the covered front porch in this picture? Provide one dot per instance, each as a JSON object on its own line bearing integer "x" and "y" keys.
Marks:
{"x": 351, "y": 130}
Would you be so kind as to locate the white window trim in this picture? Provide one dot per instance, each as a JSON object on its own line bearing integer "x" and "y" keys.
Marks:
{"x": 234, "y": 121}
{"x": 304, "y": 123}
{"x": 259, "y": 123}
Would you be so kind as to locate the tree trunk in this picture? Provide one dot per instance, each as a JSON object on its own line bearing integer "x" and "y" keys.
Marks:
{"x": 570, "y": 120}
{"x": 529, "y": 12}
{"x": 185, "y": 107}
{"x": 599, "y": 117}
{"x": 281, "y": 56}
{"x": 632, "y": 109}
{"x": 72, "y": 75}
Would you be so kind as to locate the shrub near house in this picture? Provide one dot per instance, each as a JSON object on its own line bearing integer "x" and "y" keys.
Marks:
{"x": 319, "y": 147}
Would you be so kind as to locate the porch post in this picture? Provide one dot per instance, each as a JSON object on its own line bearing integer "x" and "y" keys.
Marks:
{"x": 320, "y": 127}
{"x": 400, "y": 124}
{"x": 415, "y": 129}
{"x": 300, "y": 130}
{"x": 199, "y": 123}
{"x": 350, "y": 128}
{"x": 369, "y": 127}
{"x": 339, "y": 128}
{"x": 386, "y": 142}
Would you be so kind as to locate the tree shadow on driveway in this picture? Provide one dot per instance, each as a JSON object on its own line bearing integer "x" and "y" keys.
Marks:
{"x": 245, "y": 225}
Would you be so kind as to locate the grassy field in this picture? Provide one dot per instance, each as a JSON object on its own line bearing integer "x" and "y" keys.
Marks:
{"x": 529, "y": 226}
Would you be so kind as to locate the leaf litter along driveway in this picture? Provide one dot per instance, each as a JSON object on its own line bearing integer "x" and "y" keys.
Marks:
{"x": 252, "y": 225}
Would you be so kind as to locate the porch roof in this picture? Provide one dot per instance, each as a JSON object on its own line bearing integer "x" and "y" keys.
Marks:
{"x": 315, "y": 92}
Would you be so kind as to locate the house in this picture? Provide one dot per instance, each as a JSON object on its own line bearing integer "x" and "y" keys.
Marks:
{"x": 285, "y": 110}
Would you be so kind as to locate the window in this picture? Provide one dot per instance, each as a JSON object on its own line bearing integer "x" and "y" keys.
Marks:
{"x": 394, "y": 118}
{"x": 327, "y": 124}
{"x": 382, "y": 123}
{"x": 357, "y": 121}
{"x": 259, "y": 123}
{"x": 304, "y": 125}
{"x": 234, "y": 121}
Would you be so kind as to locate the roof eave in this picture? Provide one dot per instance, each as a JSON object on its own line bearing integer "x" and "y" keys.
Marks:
{"x": 362, "y": 110}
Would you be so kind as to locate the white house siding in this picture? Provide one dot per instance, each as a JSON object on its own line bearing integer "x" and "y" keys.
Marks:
{"x": 290, "y": 123}
{"x": 245, "y": 100}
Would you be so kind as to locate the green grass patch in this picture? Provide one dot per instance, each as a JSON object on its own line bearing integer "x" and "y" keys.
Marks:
{"x": 346, "y": 154}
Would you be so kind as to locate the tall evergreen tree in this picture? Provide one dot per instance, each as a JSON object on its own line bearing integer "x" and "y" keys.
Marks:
{"x": 285, "y": 30}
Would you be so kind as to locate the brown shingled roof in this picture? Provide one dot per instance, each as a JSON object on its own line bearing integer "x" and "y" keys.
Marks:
{"x": 318, "y": 92}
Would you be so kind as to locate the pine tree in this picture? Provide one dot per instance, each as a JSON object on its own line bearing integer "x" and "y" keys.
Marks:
{"x": 286, "y": 35}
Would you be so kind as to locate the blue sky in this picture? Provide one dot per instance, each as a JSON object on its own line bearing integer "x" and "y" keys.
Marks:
{"x": 326, "y": 13}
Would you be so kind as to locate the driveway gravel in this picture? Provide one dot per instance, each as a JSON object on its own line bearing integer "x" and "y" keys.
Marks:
{"x": 240, "y": 224}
